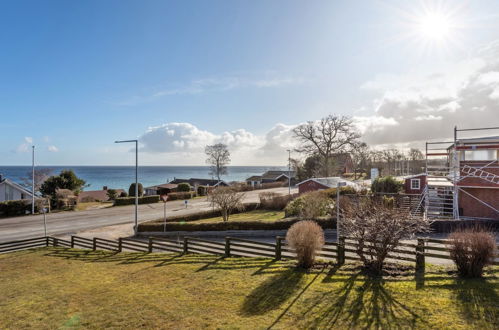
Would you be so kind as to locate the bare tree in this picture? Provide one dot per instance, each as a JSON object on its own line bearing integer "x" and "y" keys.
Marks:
{"x": 227, "y": 199}
{"x": 330, "y": 135}
{"x": 360, "y": 157}
{"x": 378, "y": 229}
{"x": 218, "y": 158}
{"x": 416, "y": 157}
{"x": 41, "y": 174}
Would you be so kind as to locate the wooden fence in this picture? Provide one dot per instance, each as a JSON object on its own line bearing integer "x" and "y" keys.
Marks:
{"x": 345, "y": 249}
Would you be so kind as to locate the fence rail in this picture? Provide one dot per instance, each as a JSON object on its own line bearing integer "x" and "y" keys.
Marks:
{"x": 345, "y": 249}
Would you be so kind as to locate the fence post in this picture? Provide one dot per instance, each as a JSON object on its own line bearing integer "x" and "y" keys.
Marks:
{"x": 56, "y": 242}
{"x": 227, "y": 247}
{"x": 186, "y": 245}
{"x": 120, "y": 245}
{"x": 94, "y": 244}
{"x": 47, "y": 239}
{"x": 149, "y": 247}
{"x": 420, "y": 259}
{"x": 341, "y": 251}
{"x": 72, "y": 241}
{"x": 278, "y": 244}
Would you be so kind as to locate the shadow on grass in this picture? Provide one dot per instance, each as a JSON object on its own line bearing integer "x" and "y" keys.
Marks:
{"x": 478, "y": 301}
{"x": 361, "y": 302}
{"x": 273, "y": 292}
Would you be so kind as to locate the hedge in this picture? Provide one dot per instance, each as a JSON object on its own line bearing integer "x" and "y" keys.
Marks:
{"x": 207, "y": 214}
{"x": 181, "y": 195}
{"x": 13, "y": 208}
{"x": 131, "y": 200}
{"x": 157, "y": 226}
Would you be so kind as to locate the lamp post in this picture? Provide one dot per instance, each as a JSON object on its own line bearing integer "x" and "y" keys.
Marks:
{"x": 289, "y": 171}
{"x": 339, "y": 185}
{"x": 136, "y": 180}
{"x": 33, "y": 180}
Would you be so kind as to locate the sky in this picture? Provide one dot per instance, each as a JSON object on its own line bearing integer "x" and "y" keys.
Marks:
{"x": 77, "y": 75}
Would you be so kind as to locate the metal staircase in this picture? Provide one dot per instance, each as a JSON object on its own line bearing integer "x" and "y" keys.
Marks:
{"x": 438, "y": 202}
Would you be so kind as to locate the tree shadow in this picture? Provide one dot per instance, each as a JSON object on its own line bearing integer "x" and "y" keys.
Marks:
{"x": 369, "y": 305}
{"x": 273, "y": 292}
{"x": 478, "y": 300}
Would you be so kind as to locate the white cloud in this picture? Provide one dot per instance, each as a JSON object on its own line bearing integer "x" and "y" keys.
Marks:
{"x": 52, "y": 149}
{"x": 28, "y": 140}
{"x": 421, "y": 106}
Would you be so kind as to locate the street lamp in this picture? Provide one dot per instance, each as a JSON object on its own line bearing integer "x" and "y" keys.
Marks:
{"x": 339, "y": 185}
{"x": 289, "y": 171}
{"x": 33, "y": 180}
{"x": 136, "y": 180}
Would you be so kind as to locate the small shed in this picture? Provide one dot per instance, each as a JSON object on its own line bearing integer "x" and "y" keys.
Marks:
{"x": 415, "y": 184}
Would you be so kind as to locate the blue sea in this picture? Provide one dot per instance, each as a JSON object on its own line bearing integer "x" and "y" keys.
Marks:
{"x": 117, "y": 177}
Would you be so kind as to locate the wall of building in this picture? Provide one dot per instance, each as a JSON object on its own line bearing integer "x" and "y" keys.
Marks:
{"x": 310, "y": 186}
{"x": 475, "y": 181}
{"x": 473, "y": 208}
{"x": 422, "y": 184}
{"x": 7, "y": 191}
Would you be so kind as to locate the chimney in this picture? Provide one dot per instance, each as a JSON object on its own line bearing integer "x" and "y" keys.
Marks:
{"x": 104, "y": 188}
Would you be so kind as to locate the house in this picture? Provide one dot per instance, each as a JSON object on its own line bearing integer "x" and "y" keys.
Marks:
{"x": 270, "y": 177}
{"x": 315, "y": 184}
{"x": 160, "y": 189}
{"x": 9, "y": 190}
{"x": 415, "y": 184}
{"x": 97, "y": 195}
{"x": 342, "y": 163}
{"x": 466, "y": 185}
{"x": 194, "y": 182}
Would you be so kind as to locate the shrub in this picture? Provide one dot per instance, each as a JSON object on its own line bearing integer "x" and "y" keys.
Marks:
{"x": 346, "y": 190}
{"x": 202, "y": 190}
{"x": 123, "y": 194}
{"x": 131, "y": 190}
{"x": 226, "y": 199}
{"x": 306, "y": 238}
{"x": 183, "y": 187}
{"x": 471, "y": 250}
{"x": 387, "y": 184}
{"x": 185, "y": 225}
{"x": 131, "y": 200}
{"x": 13, "y": 208}
{"x": 377, "y": 229}
{"x": 112, "y": 194}
{"x": 309, "y": 205}
{"x": 274, "y": 201}
{"x": 181, "y": 195}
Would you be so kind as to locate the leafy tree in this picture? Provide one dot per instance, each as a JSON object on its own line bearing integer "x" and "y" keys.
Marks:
{"x": 112, "y": 194}
{"x": 387, "y": 184}
{"x": 184, "y": 186}
{"x": 67, "y": 179}
{"x": 131, "y": 190}
{"x": 218, "y": 159}
{"x": 326, "y": 137}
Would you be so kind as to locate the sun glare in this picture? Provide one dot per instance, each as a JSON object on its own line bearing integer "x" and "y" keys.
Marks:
{"x": 434, "y": 26}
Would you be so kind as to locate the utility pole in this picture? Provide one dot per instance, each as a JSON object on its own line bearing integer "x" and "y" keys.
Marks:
{"x": 136, "y": 181}
{"x": 33, "y": 180}
{"x": 339, "y": 185}
{"x": 289, "y": 171}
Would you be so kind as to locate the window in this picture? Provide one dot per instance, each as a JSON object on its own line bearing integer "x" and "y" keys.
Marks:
{"x": 415, "y": 184}
{"x": 486, "y": 154}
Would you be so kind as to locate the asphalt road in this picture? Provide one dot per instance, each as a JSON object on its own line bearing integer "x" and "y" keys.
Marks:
{"x": 67, "y": 223}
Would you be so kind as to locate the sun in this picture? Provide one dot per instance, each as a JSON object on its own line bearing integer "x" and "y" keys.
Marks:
{"x": 434, "y": 26}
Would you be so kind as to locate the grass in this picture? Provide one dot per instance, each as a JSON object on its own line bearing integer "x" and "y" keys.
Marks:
{"x": 64, "y": 288}
{"x": 92, "y": 205}
{"x": 255, "y": 215}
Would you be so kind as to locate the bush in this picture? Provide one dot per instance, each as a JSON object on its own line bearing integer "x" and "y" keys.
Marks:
{"x": 159, "y": 225}
{"x": 202, "y": 190}
{"x": 306, "y": 238}
{"x": 183, "y": 187}
{"x": 377, "y": 230}
{"x": 471, "y": 250}
{"x": 181, "y": 195}
{"x": 387, "y": 184}
{"x": 131, "y": 190}
{"x": 131, "y": 200}
{"x": 346, "y": 190}
{"x": 309, "y": 205}
{"x": 274, "y": 201}
{"x": 13, "y": 208}
{"x": 112, "y": 194}
{"x": 123, "y": 194}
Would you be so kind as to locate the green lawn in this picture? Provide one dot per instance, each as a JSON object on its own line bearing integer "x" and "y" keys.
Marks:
{"x": 62, "y": 288}
{"x": 255, "y": 215}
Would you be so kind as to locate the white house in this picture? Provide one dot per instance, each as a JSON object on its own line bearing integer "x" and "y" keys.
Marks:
{"x": 9, "y": 190}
